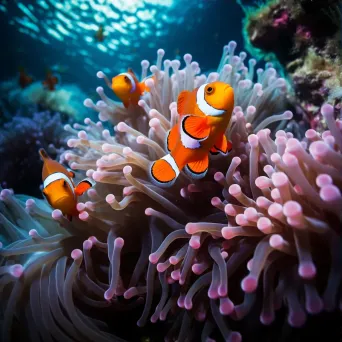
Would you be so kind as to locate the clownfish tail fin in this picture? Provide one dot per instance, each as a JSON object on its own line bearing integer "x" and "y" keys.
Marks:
{"x": 164, "y": 171}
{"x": 43, "y": 154}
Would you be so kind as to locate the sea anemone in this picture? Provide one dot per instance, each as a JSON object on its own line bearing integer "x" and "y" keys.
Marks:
{"x": 263, "y": 225}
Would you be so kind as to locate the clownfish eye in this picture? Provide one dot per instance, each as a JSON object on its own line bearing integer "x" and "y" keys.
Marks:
{"x": 210, "y": 90}
{"x": 126, "y": 78}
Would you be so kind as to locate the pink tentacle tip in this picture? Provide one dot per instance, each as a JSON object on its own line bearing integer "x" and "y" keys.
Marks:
{"x": 218, "y": 176}
{"x": 76, "y": 254}
{"x": 108, "y": 295}
{"x": 84, "y": 216}
{"x": 110, "y": 199}
{"x": 80, "y": 206}
{"x": 87, "y": 245}
{"x": 213, "y": 293}
{"x": 119, "y": 242}
{"x": 127, "y": 170}
{"x": 17, "y": 270}
{"x": 153, "y": 258}
{"x": 307, "y": 270}
{"x": 276, "y": 241}
{"x": 292, "y": 209}
{"x": 148, "y": 211}
{"x": 327, "y": 110}
{"x": 314, "y": 306}
{"x": 195, "y": 242}
{"x": 229, "y": 210}
{"x": 249, "y": 284}
{"x": 33, "y": 233}
{"x": 222, "y": 290}
{"x": 297, "y": 319}
{"x": 180, "y": 301}
{"x": 161, "y": 267}
{"x": 234, "y": 337}
{"x": 131, "y": 292}
{"x": 266, "y": 318}
{"x": 227, "y": 233}
{"x": 56, "y": 214}
{"x": 330, "y": 193}
{"x": 215, "y": 201}
{"x": 6, "y": 193}
{"x": 226, "y": 306}
{"x": 234, "y": 189}
{"x": 190, "y": 228}
{"x": 175, "y": 275}
{"x": 187, "y": 304}
{"x": 30, "y": 203}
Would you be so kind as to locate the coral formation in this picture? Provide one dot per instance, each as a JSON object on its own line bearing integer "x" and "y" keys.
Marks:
{"x": 20, "y": 139}
{"x": 310, "y": 49}
{"x": 66, "y": 99}
{"x": 264, "y": 225}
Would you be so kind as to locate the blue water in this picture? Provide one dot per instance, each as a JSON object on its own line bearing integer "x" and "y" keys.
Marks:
{"x": 59, "y": 35}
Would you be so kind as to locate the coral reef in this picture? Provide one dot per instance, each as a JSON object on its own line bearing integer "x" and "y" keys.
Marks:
{"x": 66, "y": 99}
{"x": 20, "y": 139}
{"x": 310, "y": 49}
{"x": 262, "y": 228}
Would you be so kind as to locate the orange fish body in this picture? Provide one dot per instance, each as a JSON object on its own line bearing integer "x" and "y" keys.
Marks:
{"x": 127, "y": 88}
{"x": 58, "y": 186}
{"x": 50, "y": 81}
{"x": 204, "y": 117}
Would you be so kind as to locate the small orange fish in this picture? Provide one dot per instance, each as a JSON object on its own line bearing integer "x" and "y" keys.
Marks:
{"x": 127, "y": 88}
{"x": 204, "y": 117}
{"x": 58, "y": 186}
{"x": 24, "y": 79}
{"x": 50, "y": 81}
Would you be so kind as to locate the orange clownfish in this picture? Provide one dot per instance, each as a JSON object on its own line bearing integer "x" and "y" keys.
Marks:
{"x": 204, "y": 113}
{"x": 58, "y": 186}
{"x": 50, "y": 81}
{"x": 127, "y": 88}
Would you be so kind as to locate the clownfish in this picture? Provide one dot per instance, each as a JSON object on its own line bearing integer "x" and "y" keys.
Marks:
{"x": 127, "y": 88}
{"x": 50, "y": 81}
{"x": 59, "y": 188}
{"x": 205, "y": 114}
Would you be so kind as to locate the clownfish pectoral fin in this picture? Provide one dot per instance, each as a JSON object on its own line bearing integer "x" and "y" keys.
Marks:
{"x": 71, "y": 173}
{"x": 181, "y": 101}
{"x": 126, "y": 104}
{"x": 172, "y": 138}
{"x": 165, "y": 171}
{"x": 83, "y": 186}
{"x": 199, "y": 168}
{"x": 43, "y": 154}
{"x": 196, "y": 127}
{"x": 222, "y": 145}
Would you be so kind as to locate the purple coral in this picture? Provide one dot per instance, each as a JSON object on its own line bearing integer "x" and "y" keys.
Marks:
{"x": 20, "y": 140}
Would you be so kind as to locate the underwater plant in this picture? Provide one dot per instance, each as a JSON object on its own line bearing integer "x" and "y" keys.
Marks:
{"x": 263, "y": 225}
{"x": 310, "y": 53}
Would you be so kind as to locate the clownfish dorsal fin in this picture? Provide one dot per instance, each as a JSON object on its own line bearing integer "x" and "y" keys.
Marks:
{"x": 183, "y": 97}
{"x": 43, "y": 154}
{"x": 130, "y": 70}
